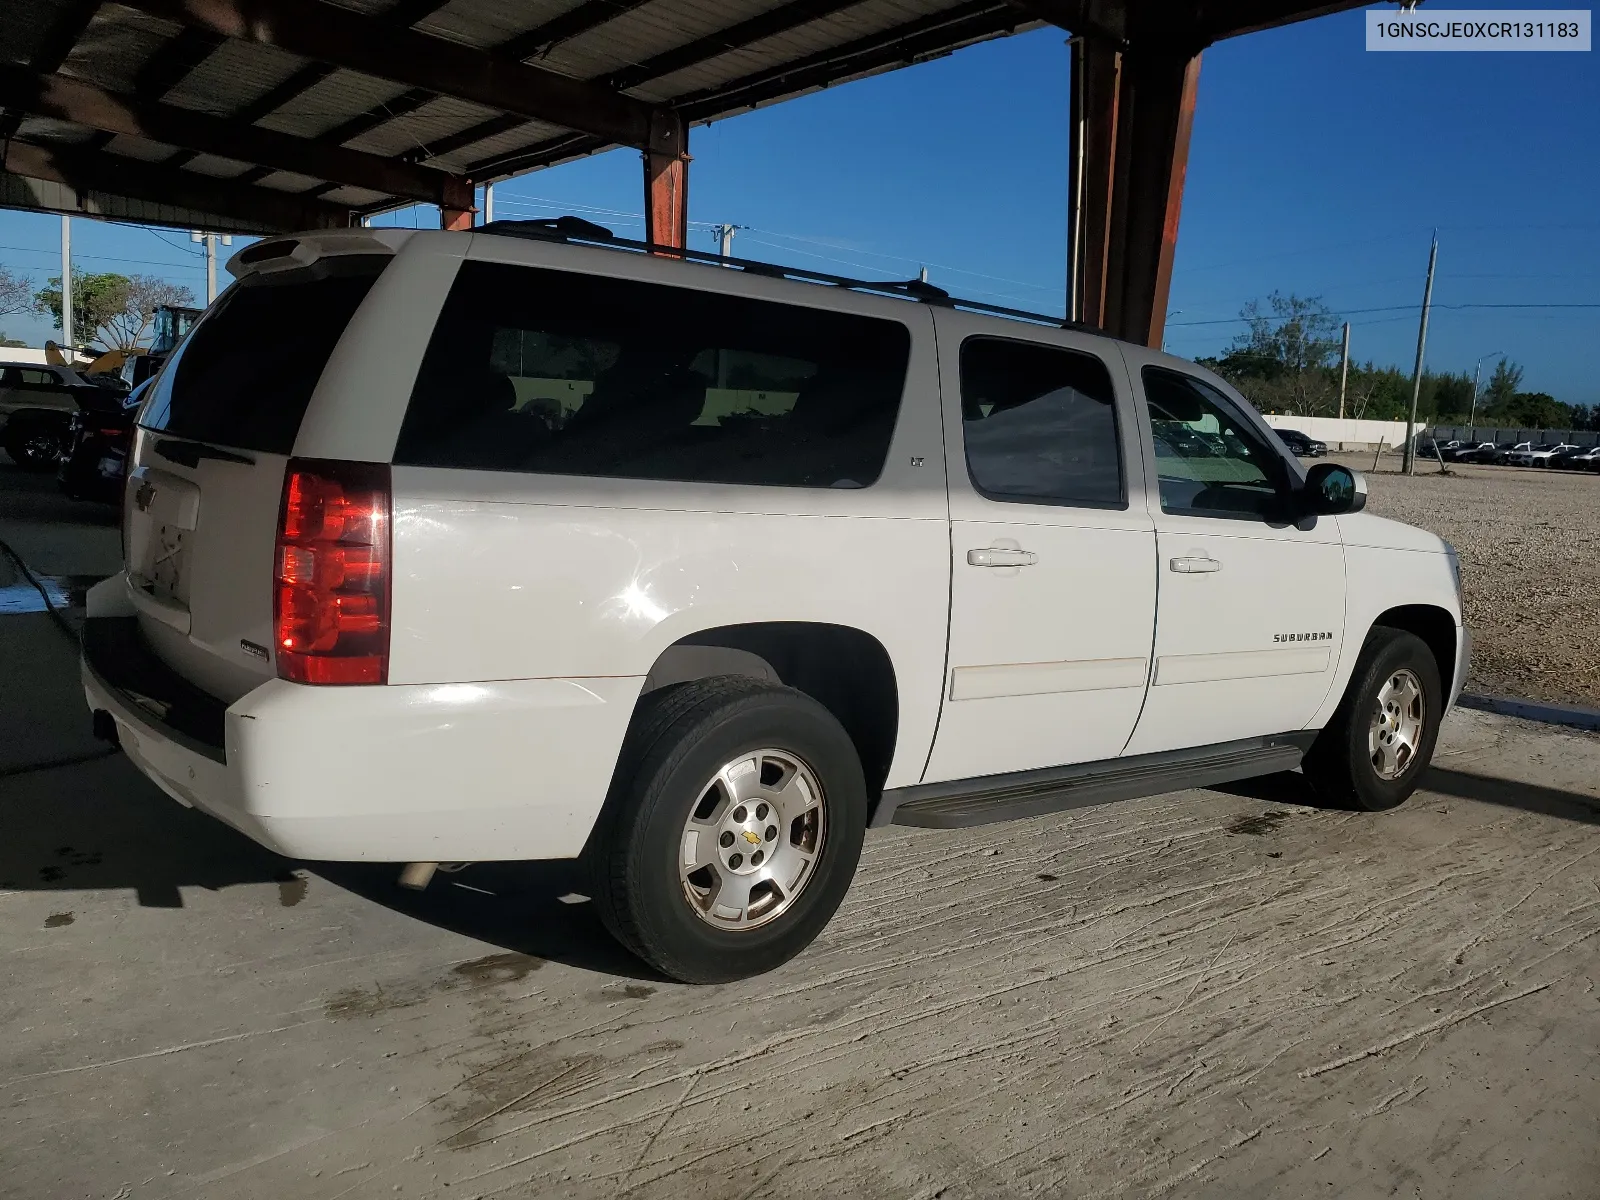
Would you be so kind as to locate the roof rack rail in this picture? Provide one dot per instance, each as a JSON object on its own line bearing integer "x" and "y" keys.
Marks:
{"x": 920, "y": 288}
{"x": 576, "y": 229}
{"x": 563, "y": 227}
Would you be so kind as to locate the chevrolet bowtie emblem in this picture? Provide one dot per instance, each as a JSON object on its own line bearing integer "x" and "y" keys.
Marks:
{"x": 753, "y": 838}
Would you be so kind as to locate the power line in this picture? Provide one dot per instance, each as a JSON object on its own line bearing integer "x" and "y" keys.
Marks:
{"x": 143, "y": 262}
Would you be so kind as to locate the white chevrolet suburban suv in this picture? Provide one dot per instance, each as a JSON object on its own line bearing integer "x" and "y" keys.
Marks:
{"x": 528, "y": 543}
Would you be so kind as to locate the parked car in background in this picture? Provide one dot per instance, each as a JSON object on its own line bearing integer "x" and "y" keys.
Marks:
{"x": 1586, "y": 458}
{"x": 1484, "y": 452}
{"x": 608, "y": 624}
{"x": 96, "y": 463}
{"x": 1301, "y": 445}
{"x": 1468, "y": 451}
{"x": 1540, "y": 455}
{"x": 37, "y": 404}
{"x": 1429, "y": 448}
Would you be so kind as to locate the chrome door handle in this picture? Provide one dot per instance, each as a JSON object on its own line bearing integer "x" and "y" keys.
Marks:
{"x": 997, "y": 556}
{"x": 1195, "y": 566}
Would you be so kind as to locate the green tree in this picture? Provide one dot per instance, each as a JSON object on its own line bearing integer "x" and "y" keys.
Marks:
{"x": 1535, "y": 410}
{"x": 1445, "y": 396}
{"x": 1502, "y": 386}
{"x": 1281, "y": 362}
{"x": 115, "y": 310}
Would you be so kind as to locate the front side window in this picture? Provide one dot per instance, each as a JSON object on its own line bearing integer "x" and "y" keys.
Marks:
{"x": 1040, "y": 425}
{"x": 1210, "y": 461}
{"x": 555, "y": 373}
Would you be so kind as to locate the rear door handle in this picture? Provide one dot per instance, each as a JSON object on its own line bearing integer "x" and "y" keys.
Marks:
{"x": 1195, "y": 566}
{"x": 998, "y": 556}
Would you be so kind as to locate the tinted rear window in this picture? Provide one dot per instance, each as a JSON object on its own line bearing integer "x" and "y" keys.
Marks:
{"x": 551, "y": 372}
{"x": 245, "y": 375}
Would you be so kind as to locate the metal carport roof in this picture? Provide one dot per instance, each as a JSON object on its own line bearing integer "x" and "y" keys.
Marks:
{"x": 283, "y": 113}
{"x": 267, "y": 115}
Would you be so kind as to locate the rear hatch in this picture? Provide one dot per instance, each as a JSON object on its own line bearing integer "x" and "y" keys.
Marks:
{"x": 205, "y": 479}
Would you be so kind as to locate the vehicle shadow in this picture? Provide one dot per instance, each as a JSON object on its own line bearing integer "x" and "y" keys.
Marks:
{"x": 1290, "y": 787}
{"x": 517, "y": 906}
{"x": 98, "y": 825}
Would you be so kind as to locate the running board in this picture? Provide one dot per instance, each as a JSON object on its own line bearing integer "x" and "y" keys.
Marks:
{"x": 982, "y": 801}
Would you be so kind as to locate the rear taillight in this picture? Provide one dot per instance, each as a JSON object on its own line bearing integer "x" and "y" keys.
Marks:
{"x": 330, "y": 594}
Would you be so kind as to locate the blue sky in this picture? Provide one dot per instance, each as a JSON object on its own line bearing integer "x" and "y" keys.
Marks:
{"x": 1316, "y": 168}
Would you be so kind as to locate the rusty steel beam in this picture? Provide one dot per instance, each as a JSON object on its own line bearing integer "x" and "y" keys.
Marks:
{"x": 96, "y": 171}
{"x": 1155, "y": 106}
{"x": 52, "y": 51}
{"x": 1082, "y": 17}
{"x": 331, "y": 34}
{"x": 69, "y": 100}
{"x": 1190, "y": 23}
{"x": 1172, "y": 209}
{"x": 666, "y": 194}
{"x": 1132, "y": 113}
{"x": 1095, "y": 86}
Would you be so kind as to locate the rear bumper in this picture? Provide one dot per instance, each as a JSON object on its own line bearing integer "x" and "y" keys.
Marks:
{"x": 501, "y": 770}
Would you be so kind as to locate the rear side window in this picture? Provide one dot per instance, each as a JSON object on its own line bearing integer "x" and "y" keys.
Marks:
{"x": 245, "y": 375}
{"x": 550, "y": 372}
{"x": 1040, "y": 425}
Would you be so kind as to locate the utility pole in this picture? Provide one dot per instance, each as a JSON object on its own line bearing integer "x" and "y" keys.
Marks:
{"x": 1344, "y": 367}
{"x": 488, "y": 203}
{"x": 725, "y": 240}
{"x": 1416, "y": 374}
{"x": 210, "y": 239}
{"x": 1477, "y": 371}
{"x": 66, "y": 289}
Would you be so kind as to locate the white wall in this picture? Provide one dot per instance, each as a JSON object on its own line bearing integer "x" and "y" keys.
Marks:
{"x": 1346, "y": 433}
{"x": 21, "y": 354}
{"x": 31, "y": 354}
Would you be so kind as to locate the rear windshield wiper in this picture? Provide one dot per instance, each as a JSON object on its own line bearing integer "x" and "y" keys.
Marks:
{"x": 189, "y": 454}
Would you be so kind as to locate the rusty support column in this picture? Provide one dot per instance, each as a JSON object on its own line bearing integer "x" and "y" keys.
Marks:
{"x": 1096, "y": 74}
{"x": 456, "y": 218}
{"x": 666, "y": 188}
{"x": 1133, "y": 110}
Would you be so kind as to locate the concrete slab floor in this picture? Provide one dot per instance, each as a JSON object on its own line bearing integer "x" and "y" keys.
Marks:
{"x": 1210, "y": 993}
{"x": 1207, "y": 993}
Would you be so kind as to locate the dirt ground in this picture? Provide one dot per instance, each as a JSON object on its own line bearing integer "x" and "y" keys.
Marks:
{"x": 1530, "y": 555}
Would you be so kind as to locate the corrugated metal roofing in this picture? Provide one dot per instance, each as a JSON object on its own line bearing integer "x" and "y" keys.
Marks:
{"x": 646, "y": 62}
{"x": 145, "y": 59}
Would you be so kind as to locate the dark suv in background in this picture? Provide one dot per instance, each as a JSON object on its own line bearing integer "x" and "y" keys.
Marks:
{"x": 1301, "y": 445}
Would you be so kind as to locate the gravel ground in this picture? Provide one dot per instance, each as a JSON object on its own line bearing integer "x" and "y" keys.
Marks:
{"x": 1530, "y": 560}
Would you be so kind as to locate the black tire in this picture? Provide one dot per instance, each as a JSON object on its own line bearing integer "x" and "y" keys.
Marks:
{"x": 1339, "y": 765}
{"x": 678, "y": 740}
{"x": 34, "y": 445}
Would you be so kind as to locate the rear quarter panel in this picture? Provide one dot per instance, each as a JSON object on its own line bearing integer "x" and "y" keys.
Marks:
{"x": 503, "y": 575}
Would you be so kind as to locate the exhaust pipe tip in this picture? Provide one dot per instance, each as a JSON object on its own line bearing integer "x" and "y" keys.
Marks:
{"x": 418, "y": 875}
{"x": 105, "y": 728}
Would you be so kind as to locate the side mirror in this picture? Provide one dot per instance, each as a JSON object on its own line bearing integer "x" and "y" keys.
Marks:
{"x": 1331, "y": 490}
